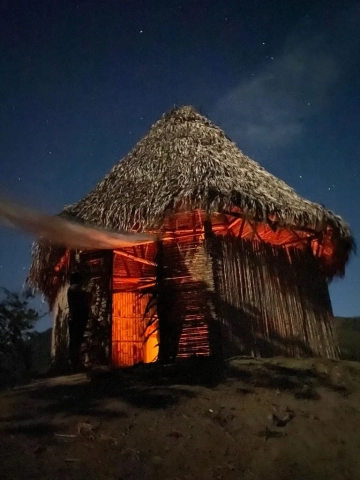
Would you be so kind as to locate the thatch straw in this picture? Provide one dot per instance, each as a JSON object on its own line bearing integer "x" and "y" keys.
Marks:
{"x": 186, "y": 162}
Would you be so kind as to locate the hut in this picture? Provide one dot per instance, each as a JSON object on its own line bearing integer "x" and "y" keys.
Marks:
{"x": 241, "y": 265}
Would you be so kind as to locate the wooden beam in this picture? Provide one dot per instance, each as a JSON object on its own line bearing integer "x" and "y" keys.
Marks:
{"x": 189, "y": 230}
{"x": 238, "y": 215}
{"x": 194, "y": 225}
{"x": 255, "y": 233}
{"x": 200, "y": 219}
{"x": 143, "y": 255}
{"x": 62, "y": 262}
{"x": 233, "y": 224}
{"x": 188, "y": 233}
{"x": 143, "y": 280}
{"x": 140, "y": 265}
{"x": 133, "y": 257}
{"x": 293, "y": 243}
{"x": 295, "y": 233}
{"x": 147, "y": 285}
{"x": 259, "y": 220}
{"x": 242, "y": 226}
{"x": 126, "y": 266}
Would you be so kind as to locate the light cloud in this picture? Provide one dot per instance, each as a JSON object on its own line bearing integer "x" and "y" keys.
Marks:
{"x": 270, "y": 108}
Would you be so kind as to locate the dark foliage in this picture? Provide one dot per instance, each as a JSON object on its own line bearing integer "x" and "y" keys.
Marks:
{"x": 17, "y": 321}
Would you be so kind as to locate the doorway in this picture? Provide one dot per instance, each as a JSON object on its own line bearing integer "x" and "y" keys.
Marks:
{"x": 133, "y": 339}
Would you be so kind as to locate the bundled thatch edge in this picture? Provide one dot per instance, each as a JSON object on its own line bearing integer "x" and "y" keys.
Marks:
{"x": 46, "y": 255}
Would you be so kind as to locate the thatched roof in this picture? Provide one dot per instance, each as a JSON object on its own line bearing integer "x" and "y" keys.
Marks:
{"x": 185, "y": 160}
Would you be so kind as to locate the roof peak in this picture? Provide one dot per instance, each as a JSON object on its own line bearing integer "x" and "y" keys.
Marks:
{"x": 184, "y": 112}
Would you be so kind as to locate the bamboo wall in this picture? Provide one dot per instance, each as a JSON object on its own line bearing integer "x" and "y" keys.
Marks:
{"x": 184, "y": 298}
{"x": 97, "y": 339}
{"x": 271, "y": 300}
{"x": 60, "y": 334}
{"x": 96, "y": 267}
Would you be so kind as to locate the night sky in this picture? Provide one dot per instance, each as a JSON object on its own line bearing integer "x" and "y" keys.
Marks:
{"x": 82, "y": 81}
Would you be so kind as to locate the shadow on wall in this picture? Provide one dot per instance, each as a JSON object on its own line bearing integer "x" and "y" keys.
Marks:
{"x": 60, "y": 351}
{"x": 243, "y": 333}
{"x": 257, "y": 300}
{"x": 97, "y": 338}
{"x": 272, "y": 301}
{"x": 95, "y": 345}
{"x": 236, "y": 326}
{"x": 267, "y": 302}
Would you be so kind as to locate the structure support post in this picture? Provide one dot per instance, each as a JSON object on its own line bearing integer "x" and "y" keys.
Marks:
{"x": 160, "y": 293}
{"x": 214, "y": 318}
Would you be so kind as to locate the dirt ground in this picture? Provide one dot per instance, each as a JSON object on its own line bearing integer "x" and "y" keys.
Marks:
{"x": 246, "y": 419}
